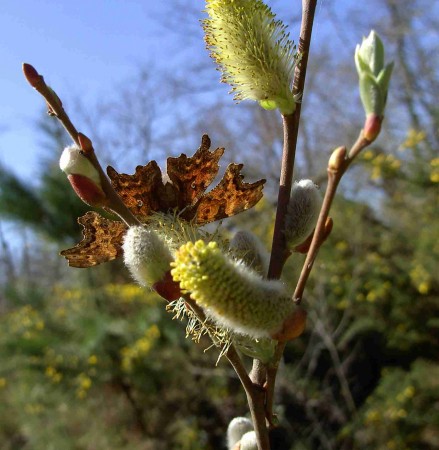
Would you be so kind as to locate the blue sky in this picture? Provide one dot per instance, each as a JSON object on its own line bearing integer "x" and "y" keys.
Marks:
{"x": 82, "y": 48}
{"x": 86, "y": 48}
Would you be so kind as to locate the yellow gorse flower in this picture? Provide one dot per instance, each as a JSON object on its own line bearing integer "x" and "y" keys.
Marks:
{"x": 434, "y": 170}
{"x": 253, "y": 52}
{"x": 139, "y": 349}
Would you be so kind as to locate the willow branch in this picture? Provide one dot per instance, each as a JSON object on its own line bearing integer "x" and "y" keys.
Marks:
{"x": 279, "y": 253}
{"x": 55, "y": 108}
{"x": 291, "y": 131}
{"x": 254, "y": 392}
{"x": 334, "y": 177}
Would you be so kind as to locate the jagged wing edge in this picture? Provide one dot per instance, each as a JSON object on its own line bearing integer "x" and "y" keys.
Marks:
{"x": 102, "y": 241}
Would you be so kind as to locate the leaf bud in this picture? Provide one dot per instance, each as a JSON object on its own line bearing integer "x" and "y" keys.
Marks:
{"x": 337, "y": 159}
{"x": 85, "y": 143}
{"x": 374, "y": 75}
{"x": 31, "y": 75}
{"x": 293, "y": 326}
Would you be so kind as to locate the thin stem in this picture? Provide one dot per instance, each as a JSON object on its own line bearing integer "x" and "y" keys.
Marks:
{"x": 53, "y": 101}
{"x": 115, "y": 203}
{"x": 255, "y": 398}
{"x": 236, "y": 362}
{"x": 291, "y": 131}
{"x": 278, "y": 250}
{"x": 55, "y": 108}
{"x": 231, "y": 354}
{"x": 279, "y": 253}
{"x": 344, "y": 384}
{"x": 334, "y": 177}
{"x": 318, "y": 234}
{"x": 256, "y": 402}
{"x": 255, "y": 393}
{"x": 271, "y": 381}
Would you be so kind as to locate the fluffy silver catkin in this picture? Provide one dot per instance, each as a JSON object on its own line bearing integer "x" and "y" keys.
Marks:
{"x": 146, "y": 255}
{"x": 249, "y": 249}
{"x": 236, "y": 429}
{"x": 72, "y": 161}
{"x": 249, "y": 442}
{"x": 303, "y": 211}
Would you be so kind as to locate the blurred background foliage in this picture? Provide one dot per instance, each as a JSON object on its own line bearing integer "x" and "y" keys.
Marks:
{"x": 89, "y": 360}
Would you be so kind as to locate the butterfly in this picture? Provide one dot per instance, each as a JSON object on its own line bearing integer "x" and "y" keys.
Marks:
{"x": 180, "y": 190}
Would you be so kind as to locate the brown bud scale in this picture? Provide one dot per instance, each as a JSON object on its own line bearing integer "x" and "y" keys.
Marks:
{"x": 167, "y": 288}
{"x": 87, "y": 190}
{"x": 293, "y": 326}
{"x": 372, "y": 127}
{"x": 31, "y": 75}
{"x": 85, "y": 143}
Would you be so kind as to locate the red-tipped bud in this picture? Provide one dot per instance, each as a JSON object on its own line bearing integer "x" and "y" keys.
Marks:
{"x": 85, "y": 143}
{"x": 372, "y": 127}
{"x": 87, "y": 190}
{"x": 167, "y": 288}
{"x": 293, "y": 326}
{"x": 31, "y": 75}
{"x": 83, "y": 176}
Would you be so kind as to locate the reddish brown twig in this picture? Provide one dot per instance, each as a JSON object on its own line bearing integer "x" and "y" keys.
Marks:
{"x": 267, "y": 375}
{"x": 55, "y": 108}
{"x": 337, "y": 166}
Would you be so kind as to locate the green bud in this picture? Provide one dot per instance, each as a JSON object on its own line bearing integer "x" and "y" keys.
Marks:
{"x": 303, "y": 212}
{"x": 147, "y": 255}
{"x": 374, "y": 75}
{"x": 233, "y": 295}
{"x": 369, "y": 56}
{"x": 236, "y": 429}
{"x": 268, "y": 105}
{"x": 262, "y": 349}
{"x": 371, "y": 96}
{"x": 253, "y": 52}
